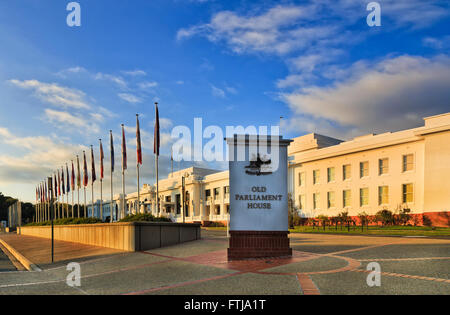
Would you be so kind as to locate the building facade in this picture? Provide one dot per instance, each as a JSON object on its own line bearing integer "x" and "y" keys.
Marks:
{"x": 398, "y": 170}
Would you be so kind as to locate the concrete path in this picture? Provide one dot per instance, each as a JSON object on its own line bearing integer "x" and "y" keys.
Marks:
{"x": 321, "y": 264}
{"x": 38, "y": 250}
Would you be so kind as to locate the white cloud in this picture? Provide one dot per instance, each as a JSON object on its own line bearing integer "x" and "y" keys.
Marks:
{"x": 135, "y": 73}
{"x": 217, "y": 92}
{"x": 64, "y": 119}
{"x": 147, "y": 85}
{"x": 113, "y": 78}
{"x": 55, "y": 94}
{"x": 392, "y": 94}
{"x": 130, "y": 98}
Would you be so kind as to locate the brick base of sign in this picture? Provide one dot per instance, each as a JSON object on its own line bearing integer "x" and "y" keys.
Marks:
{"x": 258, "y": 244}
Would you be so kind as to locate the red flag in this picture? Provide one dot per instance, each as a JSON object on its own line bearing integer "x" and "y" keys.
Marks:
{"x": 156, "y": 141}
{"x": 138, "y": 141}
{"x": 102, "y": 156}
{"x": 124, "y": 151}
{"x": 59, "y": 184}
{"x": 93, "y": 176}
{"x": 85, "y": 173}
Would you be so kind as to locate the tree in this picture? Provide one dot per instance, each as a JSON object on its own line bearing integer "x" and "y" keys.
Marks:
{"x": 28, "y": 209}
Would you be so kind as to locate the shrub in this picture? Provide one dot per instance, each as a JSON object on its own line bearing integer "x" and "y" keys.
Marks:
{"x": 67, "y": 221}
{"x": 216, "y": 224}
{"x": 385, "y": 217}
{"x": 144, "y": 217}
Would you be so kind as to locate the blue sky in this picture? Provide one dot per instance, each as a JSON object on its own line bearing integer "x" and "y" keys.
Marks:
{"x": 316, "y": 63}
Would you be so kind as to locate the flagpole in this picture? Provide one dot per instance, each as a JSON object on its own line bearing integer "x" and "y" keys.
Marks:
{"x": 101, "y": 181}
{"x": 85, "y": 208}
{"x": 78, "y": 204}
{"x": 156, "y": 151}
{"x": 138, "y": 210}
{"x": 123, "y": 171}
{"x": 111, "y": 206}
{"x": 92, "y": 181}
{"x": 139, "y": 155}
{"x": 122, "y": 215}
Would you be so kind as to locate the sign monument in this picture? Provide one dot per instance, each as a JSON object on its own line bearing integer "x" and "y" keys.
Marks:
{"x": 258, "y": 197}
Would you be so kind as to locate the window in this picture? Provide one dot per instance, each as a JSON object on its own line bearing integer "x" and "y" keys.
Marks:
{"x": 408, "y": 162}
{"x": 363, "y": 169}
{"x": 216, "y": 193}
{"x": 168, "y": 199}
{"x": 383, "y": 195}
{"x": 316, "y": 197}
{"x": 347, "y": 171}
{"x": 207, "y": 194}
{"x": 301, "y": 202}
{"x": 330, "y": 198}
{"x": 316, "y": 176}
{"x": 364, "y": 197}
{"x": 408, "y": 193}
{"x": 383, "y": 166}
{"x": 347, "y": 198}
{"x": 330, "y": 174}
{"x": 301, "y": 179}
{"x": 226, "y": 192}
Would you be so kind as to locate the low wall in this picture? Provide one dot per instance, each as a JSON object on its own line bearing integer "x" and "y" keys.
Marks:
{"x": 129, "y": 236}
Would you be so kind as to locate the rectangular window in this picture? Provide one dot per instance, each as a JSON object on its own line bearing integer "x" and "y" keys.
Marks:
{"x": 347, "y": 171}
{"x": 301, "y": 179}
{"x": 364, "y": 197}
{"x": 408, "y": 193}
{"x": 347, "y": 198}
{"x": 301, "y": 202}
{"x": 330, "y": 174}
{"x": 316, "y": 176}
{"x": 207, "y": 194}
{"x": 363, "y": 169}
{"x": 408, "y": 162}
{"x": 383, "y": 195}
{"x": 330, "y": 198}
{"x": 226, "y": 192}
{"x": 316, "y": 197}
{"x": 383, "y": 166}
{"x": 216, "y": 193}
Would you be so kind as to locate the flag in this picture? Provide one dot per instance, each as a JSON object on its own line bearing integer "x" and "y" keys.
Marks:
{"x": 156, "y": 133}
{"x": 78, "y": 173}
{"x": 68, "y": 179}
{"x": 93, "y": 177}
{"x": 111, "y": 146}
{"x": 85, "y": 174}
{"x": 72, "y": 179}
{"x": 102, "y": 156}
{"x": 124, "y": 151}
{"x": 62, "y": 181}
{"x": 138, "y": 141}
{"x": 55, "y": 185}
{"x": 59, "y": 184}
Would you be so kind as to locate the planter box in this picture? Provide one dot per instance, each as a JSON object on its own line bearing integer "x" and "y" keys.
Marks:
{"x": 129, "y": 236}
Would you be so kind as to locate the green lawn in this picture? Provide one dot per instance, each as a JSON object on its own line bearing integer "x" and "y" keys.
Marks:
{"x": 377, "y": 230}
{"x": 373, "y": 230}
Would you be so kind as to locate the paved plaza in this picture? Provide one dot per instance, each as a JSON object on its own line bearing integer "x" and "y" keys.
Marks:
{"x": 321, "y": 264}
